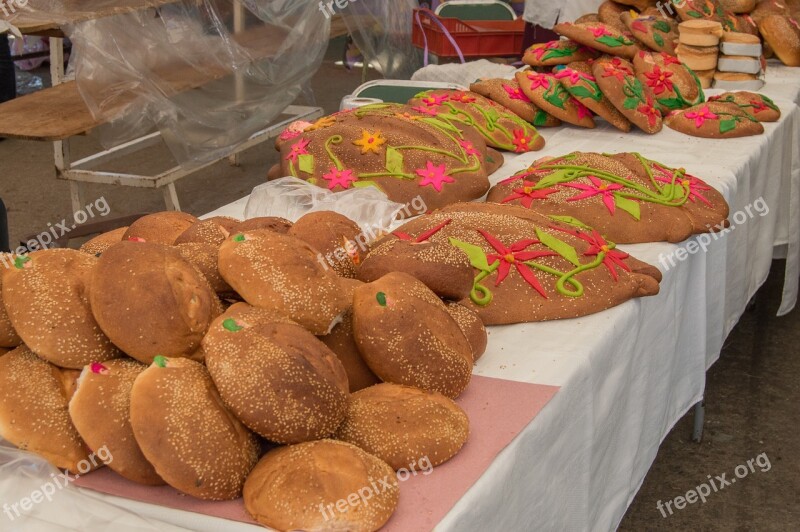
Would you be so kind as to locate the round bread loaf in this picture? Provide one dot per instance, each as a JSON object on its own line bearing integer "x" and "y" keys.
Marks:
{"x": 441, "y": 267}
{"x": 337, "y": 238}
{"x": 46, "y": 297}
{"x": 783, "y": 35}
{"x": 182, "y": 427}
{"x": 276, "y": 377}
{"x": 100, "y": 410}
{"x": 406, "y": 336}
{"x": 405, "y": 426}
{"x": 342, "y": 342}
{"x": 213, "y": 231}
{"x": 150, "y": 301}
{"x": 700, "y": 32}
{"x": 472, "y": 326}
{"x": 270, "y": 223}
{"x": 283, "y": 274}
{"x": 321, "y": 485}
{"x": 160, "y": 228}
{"x": 8, "y": 336}
{"x": 739, "y": 6}
{"x": 34, "y": 415}
{"x": 205, "y": 257}
{"x": 99, "y": 244}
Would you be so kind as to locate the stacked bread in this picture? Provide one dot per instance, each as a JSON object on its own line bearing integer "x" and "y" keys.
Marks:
{"x": 741, "y": 66}
{"x": 699, "y": 47}
{"x": 168, "y": 350}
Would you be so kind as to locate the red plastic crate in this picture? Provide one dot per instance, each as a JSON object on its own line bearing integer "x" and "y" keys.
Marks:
{"x": 476, "y": 38}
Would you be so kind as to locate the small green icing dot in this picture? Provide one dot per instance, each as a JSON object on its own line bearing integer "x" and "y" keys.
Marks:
{"x": 160, "y": 361}
{"x": 231, "y": 325}
{"x": 20, "y": 262}
{"x": 239, "y": 238}
{"x": 381, "y": 297}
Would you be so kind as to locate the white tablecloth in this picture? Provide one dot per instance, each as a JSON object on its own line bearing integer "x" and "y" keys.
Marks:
{"x": 626, "y": 375}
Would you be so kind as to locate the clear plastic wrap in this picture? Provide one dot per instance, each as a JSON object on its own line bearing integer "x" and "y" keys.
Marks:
{"x": 291, "y": 198}
{"x": 208, "y": 74}
{"x": 382, "y": 30}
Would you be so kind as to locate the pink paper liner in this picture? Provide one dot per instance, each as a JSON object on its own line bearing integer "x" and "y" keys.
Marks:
{"x": 498, "y": 411}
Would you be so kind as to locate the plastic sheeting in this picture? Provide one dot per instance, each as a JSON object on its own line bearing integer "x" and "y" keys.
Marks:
{"x": 207, "y": 73}
{"x": 382, "y": 30}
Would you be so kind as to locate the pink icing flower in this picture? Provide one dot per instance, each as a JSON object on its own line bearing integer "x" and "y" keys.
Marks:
{"x": 539, "y": 50}
{"x": 700, "y": 116}
{"x": 434, "y": 100}
{"x": 597, "y": 188}
{"x": 298, "y": 149}
{"x": 425, "y": 110}
{"x": 600, "y": 32}
{"x": 435, "y": 176}
{"x": 341, "y": 178}
{"x": 583, "y": 111}
{"x": 538, "y": 81}
{"x": 527, "y": 193}
{"x": 695, "y": 186}
{"x": 98, "y": 368}
{"x": 649, "y": 110}
{"x": 461, "y": 97}
{"x": 573, "y": 76}
{"x": 469, "y": 148}
{"x": 669, "y": 59}
{"x": 515, "y": 93}
{"x": 522, "y": 141}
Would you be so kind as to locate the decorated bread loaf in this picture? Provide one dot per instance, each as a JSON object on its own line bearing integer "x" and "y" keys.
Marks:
{"x": 560, "y": 52}
{"x": 627, "y": 198}
{"x": 672, "y": 83}
{"x": 628, "y": 94}
{"x": 715, "y": 120}
{"x": 507, "y": 93}
{"x": 529, "y": 267}
{"x": 547, "y": 93}
{"x": 580, "y": 82}
{"x": 599, "y": 36}
{"x": 758, "y": 105}
{"x": 404, "y": 152}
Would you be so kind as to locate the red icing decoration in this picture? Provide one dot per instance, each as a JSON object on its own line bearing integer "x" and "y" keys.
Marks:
{"x": 516, "y": 255}
{"x": 597, "y": 188}
{"x": 342, "y": 178}
{"x": 435, "y": 176}
{"x": 527, "y": 194}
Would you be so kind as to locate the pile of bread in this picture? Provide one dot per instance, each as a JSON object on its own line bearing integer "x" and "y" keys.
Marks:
{"x": 229, "y": 358}
{"x": 774, "y": 21}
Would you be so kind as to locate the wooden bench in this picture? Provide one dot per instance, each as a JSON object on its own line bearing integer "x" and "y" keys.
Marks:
{"x": 58, "y": 113}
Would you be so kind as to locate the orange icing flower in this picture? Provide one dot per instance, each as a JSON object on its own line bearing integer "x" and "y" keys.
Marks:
{"x": 370, "y": 142}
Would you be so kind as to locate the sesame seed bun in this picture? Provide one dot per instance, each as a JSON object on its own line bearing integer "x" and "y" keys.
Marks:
{"x": 403, "y": 425}
{"x": 160, "y": 228}
{"x": 182, "y": 427}
{"x": 100, "y": 410}
{"x": 269, "y": 223}
{"x": 47, "y": 302}
{"x": 298, "y": 488}
{"x": 150, "y": 301}
{"x": 8, "y": 336}
{"x": 406, "y": 336}
{"x": 205, "y": 257}
{"x": 34, "y": 416}
{"x": 443, "y": 268}
{"x": 213, "y": 231}
{"x": 276, "y": 377}
{"x": 99, "y": 244}
{"x": 283, "y": 274}
{"x": 334, "y": 236}
{"x": 472, "y": 326}
{"x": 342, "y": 342}
{"x": 783, "y": 35}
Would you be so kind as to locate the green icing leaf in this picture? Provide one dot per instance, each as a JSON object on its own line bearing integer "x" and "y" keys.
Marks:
{"x": 239, "y": 238}
{"x": 19, "y": 262}
{"x": 559, "y": 52}
{"x": 539, "y": 120}
{"x": 670, "y": 103}
{"x": 727, "y": 125}
{"x": 570, "y": 221}
{"x": 160, "y": 361}
{"x": 231, "y": 325}
{"x": 366, "y": 184}
{"x": 422, "y": 94}
{"x": 662, "y": 26}
{"x": 659, "y": 40}
{"x": 628, "y": 205}
{"x": 694, "y": 14}
{"x": 559, "y": 176}
{"x": 631, "y": 103}
{"x": 582, "y": 92}
{"x": 381, "y": 297}
{"x": 492, "y": 116}
{"x": 559, "y": 246}
{"x": 306, "y": 163}
{"x": 394, "y": 161}
{"x": 476, "y": 255}
{"x": 611, "y": 42}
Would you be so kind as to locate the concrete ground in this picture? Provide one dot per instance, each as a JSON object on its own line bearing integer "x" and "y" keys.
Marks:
{"x": 753, "y": 391}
